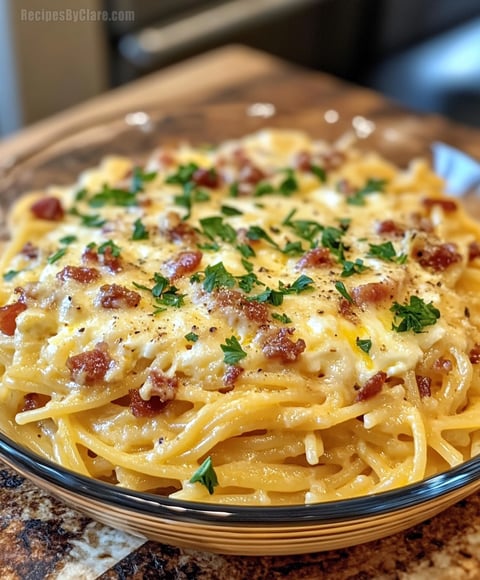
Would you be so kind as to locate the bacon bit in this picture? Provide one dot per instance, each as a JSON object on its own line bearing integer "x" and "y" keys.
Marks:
{"x": 345, "y": 309}
{"x": 107, "y": 259}
{"x": 116, "y": 296}
{"x": 389, "y": 227}
{"x": 253, "y": 310}
{"x": 166, "y": 158}
{"x": 8, "y": 317}
{"x": 473, "y": 251}
{"x": 474, "y": 355}
{"x": 303, "y": 161}
{"x": 230, "y": 376}
{"x": 206, "y": 178}
{"x": 34, "y": 401}
{"x": 448, "y": 205}
{"x": 315, "y": 258}
{"x": 163, "y": 387}
{"x": 372, "y": 387}
{"x": 163, "y": 390}
{"x": 332, "y": 159}
{"x": 344, "y": 186}
{"x": 438, "y": 257}
{"x": 183, "y": 263}
{"x": 48, "y": 208}
{"x": 424, "y": 386}
{"x": 176, "y": 230}
{"x": 89, "y": 367}
{"x": 250, "y": 173}
{"x": 279, "y": 346}
{"x": 29, "y": 251}
{"x": 442, "y": 365}
{"x": 141, "y": 408}
{"x": 79, "y": 274}
{"x": 373, "y": 293}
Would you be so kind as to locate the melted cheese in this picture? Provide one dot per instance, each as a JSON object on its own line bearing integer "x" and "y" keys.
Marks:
{"x": 294, "y": 404}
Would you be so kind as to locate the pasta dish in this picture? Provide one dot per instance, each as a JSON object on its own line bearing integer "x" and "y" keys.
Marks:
{"x": 270, "y": 320}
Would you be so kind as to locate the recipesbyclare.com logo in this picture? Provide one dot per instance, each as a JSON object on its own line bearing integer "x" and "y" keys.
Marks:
{"x": 76, "y": 15}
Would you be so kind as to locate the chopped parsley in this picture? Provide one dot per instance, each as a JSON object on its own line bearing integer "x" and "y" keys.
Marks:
{"x": 289, "y": 185}
{"x": 88, "y": 220}
{"x": 228, "y": 210}
{"x": 319, "y": 172}
{"x": 139, "y": 178}
{"x": 10, "y": 275}
{"x": 257, "y": 233}
{"x": 214, "y": 227}
{"x": 217, "y": 276}
{"x": 164, "y": 293}
{"x": 364, "y": 344}
{"x": 332, "y": 239}
{"x": 275, "y": 297}
{"x": 67, "y": 240}
{"x": 386, "y": 252}
{"x": 112, "y": 246}
{"x": 232, "y": 351}
{"x": 371, "y": 186}
{"x": 206, "y": 475}
{"x": 140, "y": 232}
{"x": 57, "y": 255}
{"x": 306, "y": 229}
{"x": 112, "y": 196}
{"x": 415, "y": 315}
{"x": 340, "y": 286}
{"x": 281, "y": 317}
{"x": 191, "y": 337}
{"x": 351, "y": 268}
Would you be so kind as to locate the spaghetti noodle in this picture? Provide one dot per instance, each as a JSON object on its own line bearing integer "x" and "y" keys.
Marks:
{"x": 270, "y": 321}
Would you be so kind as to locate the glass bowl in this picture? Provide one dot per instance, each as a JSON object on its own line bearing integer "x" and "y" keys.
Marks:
{"x": 276, "y": 530}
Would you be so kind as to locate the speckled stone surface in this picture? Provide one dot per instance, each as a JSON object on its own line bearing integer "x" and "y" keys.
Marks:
{"x": 40, "y": 538}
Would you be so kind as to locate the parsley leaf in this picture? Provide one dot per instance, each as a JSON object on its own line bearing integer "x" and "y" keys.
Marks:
{"x": 191, "y": 337}
{"x": 371, "y": 186}
{"x": 301, "y": 284}
{"x": 217, "y": 276}
{"x": 114, "y": 249}
{"x": 258, "y": 233}
{"x": 414, "y": 316}
{"x": 319, "y": 172}
{"x": 305, "y": 229}
{"x": 331, "y": 239}
{"x": 140, "y": 232}
{"x": 88, "y": 220}
{"x": 112, "y": 196}
{"x": 57, "y": 255}
{"x": 228, "y": 210}
{"x": 139, "y": 178}
{"x": 289, "y": 185}
{"x": 351, "y": 268}
{"x": 281, "y": 317}
{"x": 386, "y": 252}
{"x": 10, "y": 275}
{"x": 232, "y": 351}
{"x": 183, "y": 175}
{"x": 214, "y": 227}
{"x": 364, "y": 344}
{"x": 340, "y": 286}
{"x": 206, "y": 475}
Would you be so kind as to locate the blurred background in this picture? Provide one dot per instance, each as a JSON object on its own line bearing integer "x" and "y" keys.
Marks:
{"x": 55, "y": 54}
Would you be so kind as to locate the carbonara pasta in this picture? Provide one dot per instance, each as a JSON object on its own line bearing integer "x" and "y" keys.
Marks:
{"x": 273, "y": 320}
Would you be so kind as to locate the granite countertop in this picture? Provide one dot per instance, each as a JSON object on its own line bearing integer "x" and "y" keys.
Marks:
{"x": 42, "y": 538}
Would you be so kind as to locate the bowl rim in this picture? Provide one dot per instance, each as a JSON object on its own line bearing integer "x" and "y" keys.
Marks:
{"x": 55, "y": 477}
{"x": 29, "y": 463}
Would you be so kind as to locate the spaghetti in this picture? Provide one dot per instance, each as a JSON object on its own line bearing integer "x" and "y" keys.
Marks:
{"x": 270, "y": 321}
